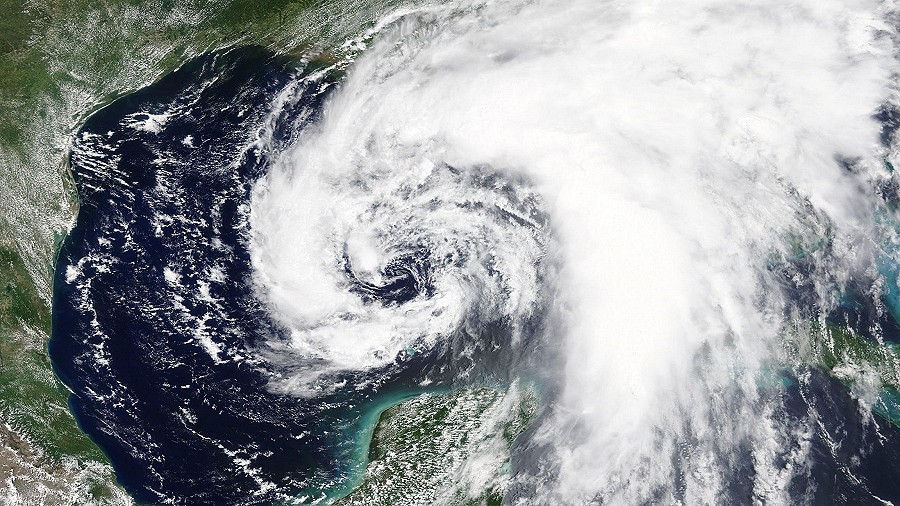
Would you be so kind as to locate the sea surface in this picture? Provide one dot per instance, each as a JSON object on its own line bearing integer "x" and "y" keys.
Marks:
{"x": 161, "y": 334}
{"x": 156, "y": 324}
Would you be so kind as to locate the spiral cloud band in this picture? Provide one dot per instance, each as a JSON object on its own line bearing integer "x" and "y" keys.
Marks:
{"x": 629, "y": 183}
{"x": 557, "y": 251}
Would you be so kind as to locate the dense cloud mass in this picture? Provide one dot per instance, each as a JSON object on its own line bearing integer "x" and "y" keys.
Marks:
{"x": 674, "y": 195}
{"x": 651, "y": 247}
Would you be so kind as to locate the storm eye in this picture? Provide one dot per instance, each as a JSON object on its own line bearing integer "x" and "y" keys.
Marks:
{"x": 401, "y": 280}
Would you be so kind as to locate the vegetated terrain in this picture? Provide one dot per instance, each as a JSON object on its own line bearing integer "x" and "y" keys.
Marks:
{"x": 61, "y": 60}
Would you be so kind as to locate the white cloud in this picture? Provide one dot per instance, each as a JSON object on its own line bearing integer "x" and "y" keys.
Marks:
{"x": 675, "y": 147}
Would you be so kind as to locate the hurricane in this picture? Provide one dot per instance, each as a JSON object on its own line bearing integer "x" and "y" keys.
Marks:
{"x": 675, "y": 223}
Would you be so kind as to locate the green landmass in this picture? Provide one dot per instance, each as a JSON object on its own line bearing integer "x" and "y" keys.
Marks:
{"x": 864, "y": 363}
{"x": 842, "y": 351}
{"x": 28, "y": 390}
{"x": 867, "y": 364}
{"x": 448, "y": 449}
{"x": 860, "y": 358}
{"x": 59, "y": 61}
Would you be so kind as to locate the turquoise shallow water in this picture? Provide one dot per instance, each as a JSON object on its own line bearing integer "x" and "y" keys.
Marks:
{"x": 168, "y": 376}
{"x": 364, "y": 428}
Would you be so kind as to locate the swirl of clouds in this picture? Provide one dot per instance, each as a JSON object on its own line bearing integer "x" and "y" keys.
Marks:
{"x": 675, "y": 149}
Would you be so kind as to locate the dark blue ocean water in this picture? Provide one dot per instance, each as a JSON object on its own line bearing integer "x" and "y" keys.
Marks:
{"x": 165, "y": 372}
{"x": 158, "y": 332}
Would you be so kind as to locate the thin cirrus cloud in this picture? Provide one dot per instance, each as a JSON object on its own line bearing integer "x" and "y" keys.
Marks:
{"x": 674, "y": 149}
